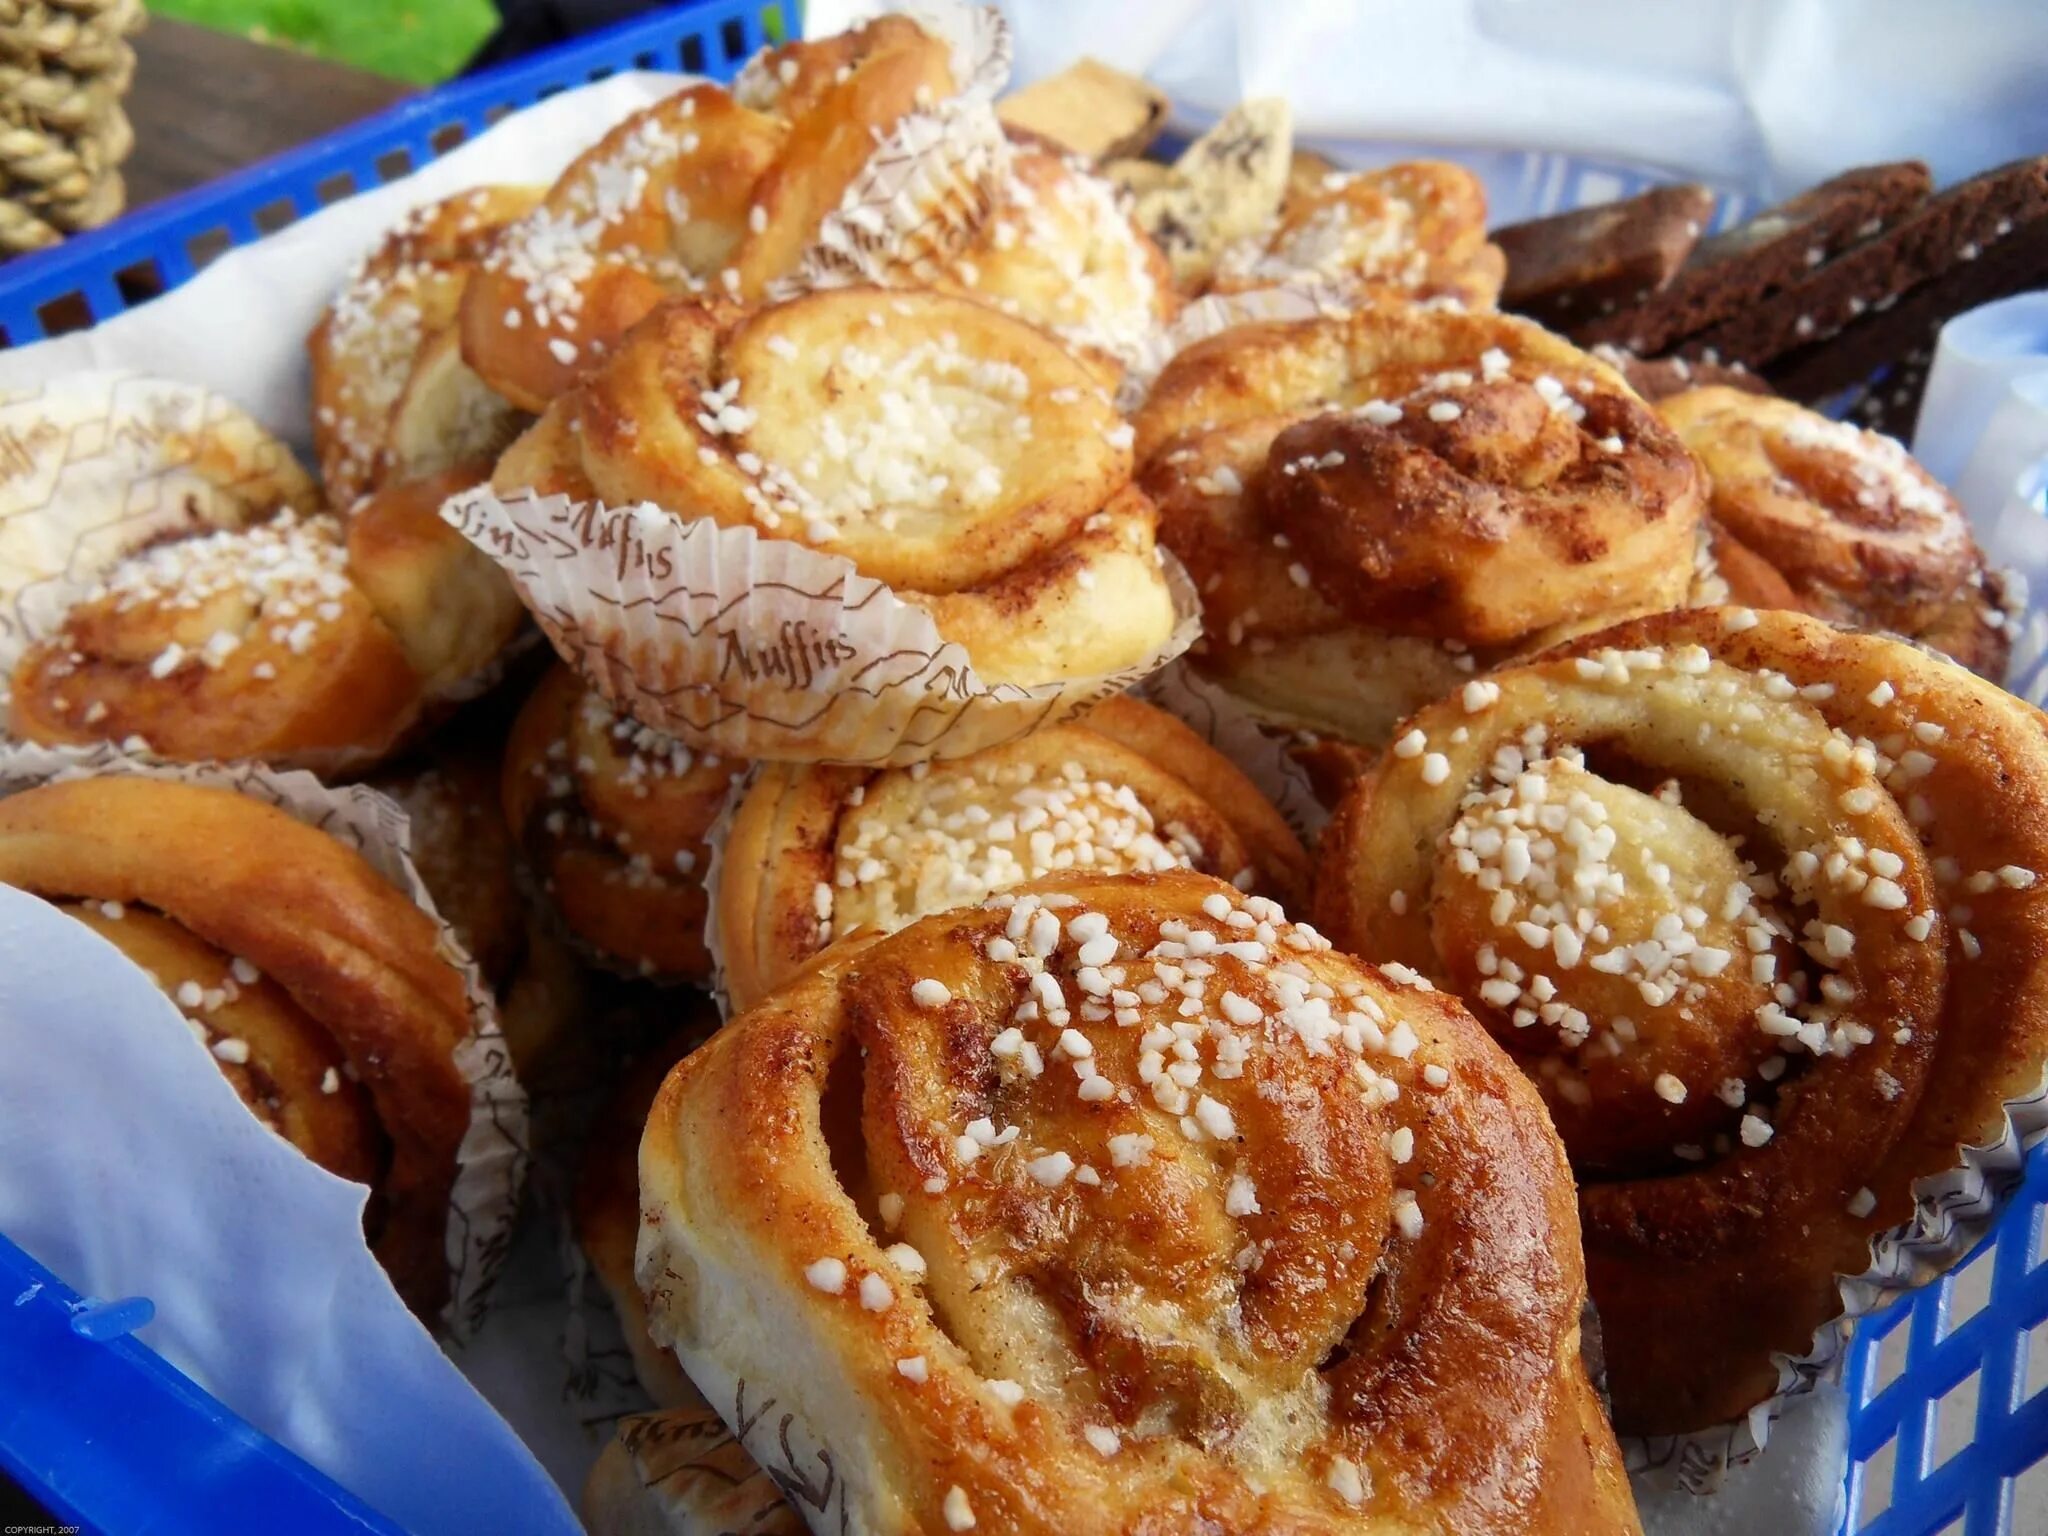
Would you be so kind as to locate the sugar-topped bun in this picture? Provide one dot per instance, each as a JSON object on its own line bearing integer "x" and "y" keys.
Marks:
{"x": 816, "y": 854}
{"x": 1269, "y": 1239}
{"x": 1761, "y": 906}
{"x": 961, "y": 456}
{"x": 1860, "y": 532}
{"x": 611, "y": 818}
{"x": 391, "y": 399}
{"x": 300, "y": 641}
{"x": 1375, "y": 504}
{"x": 323, "y": 990}
{"x": 1060, "y": 250}
{"x": 657, "y": 206}
{"x": 1416, "y": 228}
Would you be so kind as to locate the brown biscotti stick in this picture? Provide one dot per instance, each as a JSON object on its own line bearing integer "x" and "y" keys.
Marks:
{"x": 1958, "y": 228}
{"x": 1573, "y": 267}
{"x": 2012, "y": 262}
{"x": 1740, "y": 266}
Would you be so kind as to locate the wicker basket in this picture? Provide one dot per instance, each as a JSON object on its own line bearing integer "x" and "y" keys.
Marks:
{"x": 64, "y": 65}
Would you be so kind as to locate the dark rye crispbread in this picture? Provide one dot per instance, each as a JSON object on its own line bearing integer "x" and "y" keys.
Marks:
{"x": 1573, "y": 267}
{"x": 1959, "y": 238}
{"x": 1901, "y": 335}
{"x": 1737, "y": 268}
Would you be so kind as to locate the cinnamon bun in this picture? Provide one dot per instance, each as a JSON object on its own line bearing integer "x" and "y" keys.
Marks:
{"x": 1860, "y": 532}
{"x": 391, "y": 398}
{"x": 1761, "y": 907}
{"x": 657, "y": 206}
{"x": 321, "y": 989}
{"x": 1416, "y": 228}
{"x": 611, "y": 818}
{"x": 816, "y": 854}
{"x": 962, "y": 457}
{"x": 1377, "y": 506}
{"x": 298, "y": 641}
{"x": 1279, "y": 1240}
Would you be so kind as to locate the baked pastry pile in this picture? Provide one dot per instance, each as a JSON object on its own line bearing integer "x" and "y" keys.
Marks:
{"x": 857, "y": 441}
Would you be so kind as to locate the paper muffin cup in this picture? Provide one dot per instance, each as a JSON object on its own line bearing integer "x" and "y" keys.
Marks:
{"x": 930, "y": 184}
{"x": 762, "y": 648}
{"x": 491, "y": 1162}
{"x": 715, "y": 839}
{"x": 1262, "y": 752}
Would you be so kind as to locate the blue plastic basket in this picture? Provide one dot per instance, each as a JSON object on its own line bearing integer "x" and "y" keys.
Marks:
{"x": 1948, "y": 1415}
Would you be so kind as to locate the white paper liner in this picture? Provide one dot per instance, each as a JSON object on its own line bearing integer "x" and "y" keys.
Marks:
{"x": 929, "y": 186}
{"x": 1262, "y": 752}
{"x": 492, "y": 1159}
{"x": 763, "y": 648}
{"x": 1953, "y": 1210}
{"x": 714, "y": 862}
{"x": 1215, "y": 313}
{"x": 95, "y": 465}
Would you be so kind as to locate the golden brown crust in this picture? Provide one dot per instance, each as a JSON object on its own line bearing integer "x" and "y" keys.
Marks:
{"x": 351, "y": 952}
{"x": 960, "y": 455}
{"x": 1377, "y": 506}
{"x": 612, "y": 818}
{"x": 1060, "y": 251}
{"x": 1754, "y": 901}
{"x": 447, "y": 603}
{"x": 1291, "y": 1301}
{"x": 286, "y": 1067}
{"x": 401, "y": 298}
{"x": 1859, "y": 531}
{"x": 1416, "y": 228}
{"x": 226, "y": 644}
{"x": 817, "y": 855}
{"x": 890, "y": 72}
{"x": 656, "y": 207}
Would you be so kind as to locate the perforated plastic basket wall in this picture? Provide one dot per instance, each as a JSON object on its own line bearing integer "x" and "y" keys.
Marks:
{"x": 1949, "y": 1412}
{"x": 98, "y": 275}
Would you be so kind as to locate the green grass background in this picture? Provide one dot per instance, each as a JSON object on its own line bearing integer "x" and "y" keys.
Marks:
{"x": 418, "y": 40}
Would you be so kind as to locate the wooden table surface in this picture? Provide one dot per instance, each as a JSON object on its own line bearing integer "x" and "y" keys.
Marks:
{"x": 205, "y": 103}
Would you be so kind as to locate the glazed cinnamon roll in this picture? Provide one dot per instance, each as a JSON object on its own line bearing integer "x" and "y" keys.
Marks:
{"x": 1416, "y": 228}
{"x": 1761, "y": 907}
{"x": 962, "y": 457}
{"x": 1059, "y": 250}
{"x": 816, "y": 854}
{"x": 657, "y": 206}
{"x": 701, "y": 192}
{"x": 299, "y": 641}
{"x": 611, "y": 818}
{"x": 1378, "y": 505}
{"x": 391, "y": 397}
{"x": 320, "y": 988}
{"x": 1860, "y": 532}
{"x": 1124, "y": 1200}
